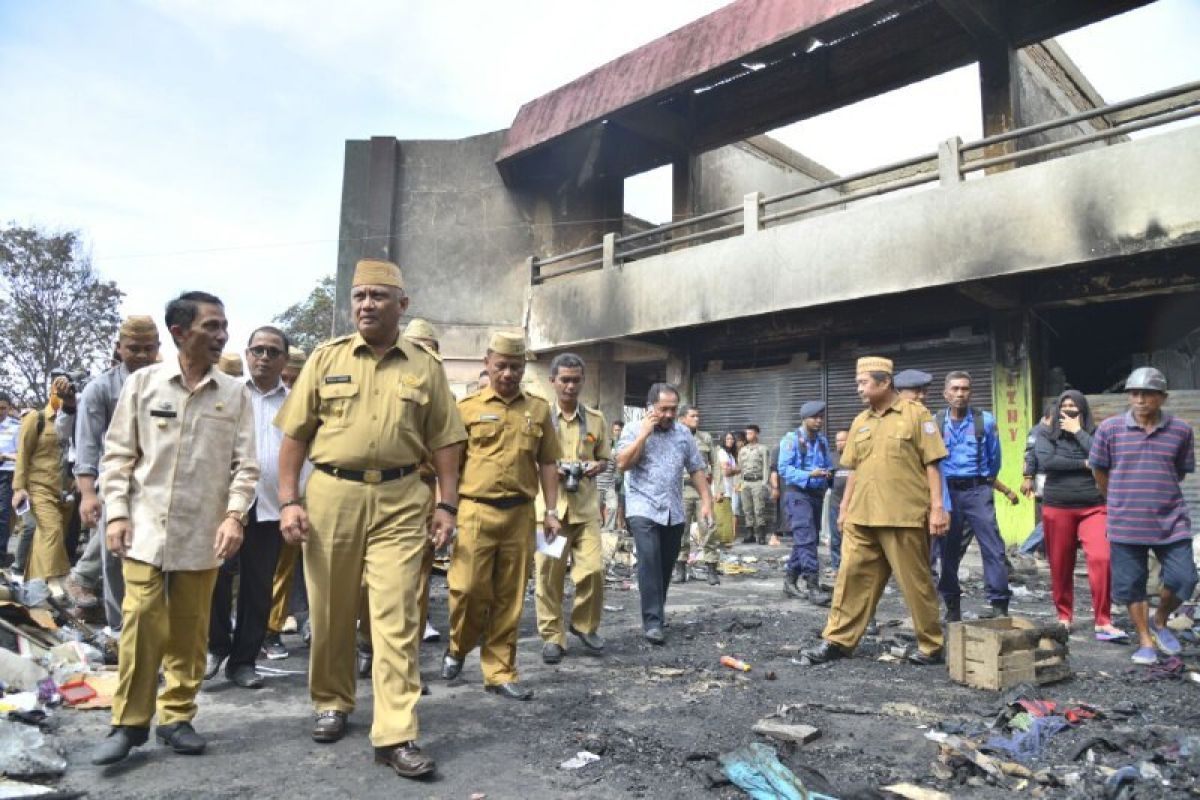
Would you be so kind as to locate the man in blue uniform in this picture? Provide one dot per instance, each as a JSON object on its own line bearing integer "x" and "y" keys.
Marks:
{"x": 805, "y": 469}
{"x": 970, "y": 471}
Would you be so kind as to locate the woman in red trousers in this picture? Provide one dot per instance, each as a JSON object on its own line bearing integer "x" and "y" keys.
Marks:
{"x": 1073, "y": 513}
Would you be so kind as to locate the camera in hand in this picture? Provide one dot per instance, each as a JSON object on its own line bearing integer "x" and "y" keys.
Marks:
{"x": 572, "y": 472}
{"x": 76, "y": 379}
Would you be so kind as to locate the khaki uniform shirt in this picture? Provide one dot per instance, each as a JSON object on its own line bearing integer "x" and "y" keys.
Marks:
{"x": 754, "y": 460}
{"x": 359, "y": 411}
{"x": 888, "y": 452}
{"x": 584, "y": 505}
{"x": 175, "y": 462}
{"x": 506, "y": 442}
{"x": 39, "y": 458}
{"x": 712, "y": 463}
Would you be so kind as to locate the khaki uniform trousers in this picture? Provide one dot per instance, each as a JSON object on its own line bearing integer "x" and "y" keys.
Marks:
{"x": 705, "y": 540}
{"x": 487, "y": 577}
{"x": 376, "y": 533}
{"x": 281, "y": 586}
{"x": 364, "y": 608}
{"x": 870, "y": 555}
{"x": 756, "y": 497}
{"x": 587, "y": 572}
{"x": 48, "y": 554}
{"x": 165, "y": 623}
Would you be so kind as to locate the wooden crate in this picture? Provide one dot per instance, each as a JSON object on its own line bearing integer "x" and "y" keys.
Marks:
{"x": 999, "y": 653}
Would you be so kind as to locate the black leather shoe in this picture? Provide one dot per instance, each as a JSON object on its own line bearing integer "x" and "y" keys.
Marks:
{"x": 680, "y": 575}
{"x": 212, "y": 665}
{"x": 451, "y": 666}
{"x": 814, "y": 593}
{"x": 790, "y": 588}
{"x": 714, "y": 575}
{"x": 824, "y": 652}
{"x": 406, "y": 759}
{"x": 121, "y": 739}
{"x": 552, "y": 653}
{"x": 511, "y": 691}
{"x": 363, "y": 660}
{"x": 182, "y": 738}
{"x": 872, "y": 627}
{"x": 656, "y": 636}
{"x": 246, "y": 676}
{"x": 329, "y": 727}
{"x": 998, "y": 609}
{"x": 592, "y": 642}
{"x": 953, "y": 611}
{"x": 922, "y": 659}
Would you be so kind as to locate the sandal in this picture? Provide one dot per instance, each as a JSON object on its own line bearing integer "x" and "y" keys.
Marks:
{"x": 1111, "y": 634}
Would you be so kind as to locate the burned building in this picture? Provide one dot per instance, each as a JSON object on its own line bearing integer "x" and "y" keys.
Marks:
{"x": 1061, "y": 248}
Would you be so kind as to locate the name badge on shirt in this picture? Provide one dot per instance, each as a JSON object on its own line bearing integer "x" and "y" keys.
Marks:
{"x": 337, "y": 378}
{"x": 489, "y": 417}
{"x": 162, "y": 412}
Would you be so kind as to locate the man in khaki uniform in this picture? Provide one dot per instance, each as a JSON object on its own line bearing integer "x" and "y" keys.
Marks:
{"x": 178, "y": 475}
{"x": 706, "y": 535}
{"x": 511, "y": 447}
{"x": 754, "y": 463}
{"x": 892, "y": 505}
{"x": 419, "y": 331}
{"x": 368, "y": 410}
{"x": 583, "y": 437}
{"x": 38, "y": 478}
{"x": 285, "y": 568}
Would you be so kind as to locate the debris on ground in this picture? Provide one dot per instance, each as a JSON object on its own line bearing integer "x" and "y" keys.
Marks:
{"x": 757, "y": 771}
{"x": 579, "y": 760}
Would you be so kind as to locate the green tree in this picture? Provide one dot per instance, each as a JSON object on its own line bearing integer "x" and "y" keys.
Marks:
{"x": 55, "y": 311}
{"x": 310, "y": 322}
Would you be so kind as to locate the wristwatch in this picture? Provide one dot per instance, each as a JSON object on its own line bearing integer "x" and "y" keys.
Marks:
{"x": 239, "y": 516}
{"x": 552, "y": 512}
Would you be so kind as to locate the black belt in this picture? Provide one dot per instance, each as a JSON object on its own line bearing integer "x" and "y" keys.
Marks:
{"x": 367, "y": 475}
{"x": 500, "y": 502}
{"x": 752, "y": 480}
{"x": 798, "y": 490}
{"x": 967, "y": 483}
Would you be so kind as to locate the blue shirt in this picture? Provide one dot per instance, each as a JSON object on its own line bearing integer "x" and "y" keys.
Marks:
{"x": 8, "y": 443}
{"x": 964, "y": 451}
{"x": 652, "y": 486}
{"x": 796, "y": 464}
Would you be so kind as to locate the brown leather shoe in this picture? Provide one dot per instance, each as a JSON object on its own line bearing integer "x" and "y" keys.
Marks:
{"x": 80, "y": 595}
{"x": 406, "y": 759}
{"x": 329, "y": 727}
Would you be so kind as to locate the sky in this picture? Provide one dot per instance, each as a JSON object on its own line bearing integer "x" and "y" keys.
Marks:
{"x": 198, "y": 144}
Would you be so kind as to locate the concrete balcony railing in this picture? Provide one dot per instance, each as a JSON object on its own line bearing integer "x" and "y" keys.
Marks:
{"x": 969, "y": 211}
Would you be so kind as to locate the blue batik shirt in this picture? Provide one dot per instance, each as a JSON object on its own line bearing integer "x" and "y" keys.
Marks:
{"x": 652, "y": 486}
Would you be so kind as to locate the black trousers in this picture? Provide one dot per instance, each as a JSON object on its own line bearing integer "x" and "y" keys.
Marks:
{"x": 255, "y": 563}
{"x": 657, "y": 548}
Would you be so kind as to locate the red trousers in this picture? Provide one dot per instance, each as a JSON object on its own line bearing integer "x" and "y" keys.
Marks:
{"x": 1065, "y": 529}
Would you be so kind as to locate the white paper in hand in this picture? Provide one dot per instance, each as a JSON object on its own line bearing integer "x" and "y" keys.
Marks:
{"x": 23, "y": 508}
{"x": 553, "y": 549}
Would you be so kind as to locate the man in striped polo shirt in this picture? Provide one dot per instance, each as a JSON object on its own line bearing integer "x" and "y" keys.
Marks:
{"x": 1139, "y": 459}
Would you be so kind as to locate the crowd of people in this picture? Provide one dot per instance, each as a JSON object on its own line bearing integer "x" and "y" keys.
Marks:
{"x": 354, "y": 465}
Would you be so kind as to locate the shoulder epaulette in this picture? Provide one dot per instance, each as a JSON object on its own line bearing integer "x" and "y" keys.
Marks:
{"x": 333, "y": 341}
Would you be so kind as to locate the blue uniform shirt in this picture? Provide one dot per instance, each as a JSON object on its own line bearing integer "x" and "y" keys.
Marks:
{"x": 964, "y": 452}
{"x": 795, "y": 464}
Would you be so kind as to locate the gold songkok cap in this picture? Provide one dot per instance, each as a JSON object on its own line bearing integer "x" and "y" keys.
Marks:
{"x": 296, "y": 357}
{"x": 418, "y": 328}
{"x": 139, "y": 327}
{"x": 230, "y": 364}
{"x": 507, "y": 344}
{"x": 370, "y": 272}
{"x": 874, "y": 364}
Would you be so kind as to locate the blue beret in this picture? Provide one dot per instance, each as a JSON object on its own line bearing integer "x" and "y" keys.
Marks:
{"x": 813, "y": 408}
{"x": 912, "y": 379}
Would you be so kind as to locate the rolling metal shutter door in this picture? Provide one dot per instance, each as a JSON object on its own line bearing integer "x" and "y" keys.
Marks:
{"x": 937, "y": 357}
{"x": 770, "y": 398}
{"x": 1183, "y": 403}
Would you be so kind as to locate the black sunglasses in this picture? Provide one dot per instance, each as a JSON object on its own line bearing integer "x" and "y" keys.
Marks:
{"x": 262, "y": 351}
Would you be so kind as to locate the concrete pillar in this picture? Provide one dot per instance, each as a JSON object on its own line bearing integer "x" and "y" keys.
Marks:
{"x": 683, "y": 186}
{"x": 999, "y": 95}
{"x": 369, "y": 219}
{"x": 950, "y": 162}
{"x": 752, "y": 213}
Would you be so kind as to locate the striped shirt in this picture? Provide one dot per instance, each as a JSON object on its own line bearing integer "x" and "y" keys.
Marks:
{"x": 1145, "y": 502}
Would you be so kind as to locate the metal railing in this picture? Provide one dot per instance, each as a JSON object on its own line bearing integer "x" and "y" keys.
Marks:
{"x": 949, "y": 166}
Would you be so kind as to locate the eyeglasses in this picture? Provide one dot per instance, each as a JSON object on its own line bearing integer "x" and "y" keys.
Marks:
{"x": 262, "y": 351}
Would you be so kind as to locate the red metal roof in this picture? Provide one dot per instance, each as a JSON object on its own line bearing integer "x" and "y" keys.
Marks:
{"x": 721, "y": 38}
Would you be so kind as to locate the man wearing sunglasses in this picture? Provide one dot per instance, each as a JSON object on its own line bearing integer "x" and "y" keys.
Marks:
{"x": 238, "y": 644}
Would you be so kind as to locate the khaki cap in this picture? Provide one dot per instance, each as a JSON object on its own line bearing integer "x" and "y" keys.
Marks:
{"x": 507, "y": 344}
{"x": 230, "y": 364}
{"x": 371, "y": 272}
{"x": 418, "y": 328}
{"x": 139, "y": 327}
{"x": 874, "y": 364}
{"x": 296, "y": 357}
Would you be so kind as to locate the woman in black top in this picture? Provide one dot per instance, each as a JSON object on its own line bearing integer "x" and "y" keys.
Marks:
{"x": 1073, "y": 512}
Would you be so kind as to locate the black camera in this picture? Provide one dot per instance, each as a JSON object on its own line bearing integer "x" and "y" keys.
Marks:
{"x": 572, "y": 474}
